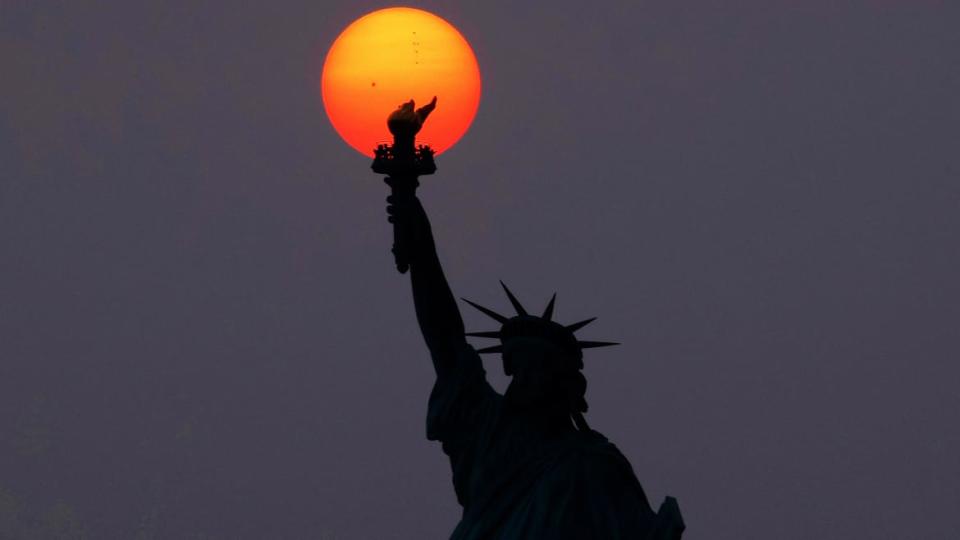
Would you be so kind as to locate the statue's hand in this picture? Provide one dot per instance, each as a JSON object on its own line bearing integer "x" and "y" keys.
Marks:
{"x": 406, "y": 121}
{"x": 407, "y": 212}
{"x": 406, "y": 209}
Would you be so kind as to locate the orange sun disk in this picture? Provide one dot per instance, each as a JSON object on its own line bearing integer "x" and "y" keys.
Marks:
{"x": 393, "y": 55}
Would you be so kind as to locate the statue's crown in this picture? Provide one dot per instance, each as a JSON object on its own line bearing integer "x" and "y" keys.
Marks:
{"x": 524, "y": 325}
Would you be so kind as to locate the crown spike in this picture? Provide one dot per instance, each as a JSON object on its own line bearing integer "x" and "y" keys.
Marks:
{"x": 548, "y": 313}
{"x": 595, "y": 344}
{"x": 494, "y": 334}
{"x": 490, "y": 350}
{"x": 488, "y": 312}
{"x": 513, "y": 300}
{"x": 576, "y": 326}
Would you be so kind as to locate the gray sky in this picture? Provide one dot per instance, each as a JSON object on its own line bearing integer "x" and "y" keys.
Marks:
{"x": 202, "y": 331}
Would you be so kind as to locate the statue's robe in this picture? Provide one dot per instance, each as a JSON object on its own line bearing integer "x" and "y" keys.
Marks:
{"x": 515, "y": 481}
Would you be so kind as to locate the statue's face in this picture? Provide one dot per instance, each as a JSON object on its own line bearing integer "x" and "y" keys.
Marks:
{"x": 537, "y": 373}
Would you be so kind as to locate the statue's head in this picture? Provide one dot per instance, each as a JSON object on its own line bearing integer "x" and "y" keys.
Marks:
{"x": 543, "y": 357}
{"x": 543, "y": 375}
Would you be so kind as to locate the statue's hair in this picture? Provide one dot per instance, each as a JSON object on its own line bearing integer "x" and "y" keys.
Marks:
{"x": 575, "y": 388}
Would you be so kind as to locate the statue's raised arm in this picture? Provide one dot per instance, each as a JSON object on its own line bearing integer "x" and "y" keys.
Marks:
{"x": 437, "y": 311}
{"x": 436, "y": 308}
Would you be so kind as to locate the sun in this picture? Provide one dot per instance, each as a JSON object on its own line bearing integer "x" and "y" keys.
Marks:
{"x": 393, "y": 55}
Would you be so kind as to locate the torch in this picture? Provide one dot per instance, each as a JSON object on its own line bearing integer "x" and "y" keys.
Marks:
{"x": 404, "y": 162}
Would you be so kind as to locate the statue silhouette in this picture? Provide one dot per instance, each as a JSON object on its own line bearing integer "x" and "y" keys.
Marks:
{"x": 525, "y": 463}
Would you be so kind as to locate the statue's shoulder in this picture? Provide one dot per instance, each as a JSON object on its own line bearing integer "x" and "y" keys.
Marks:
{"x": 605, "y": 462}
{"x": 593, "y": 450}
{"x": 592, "y": 441}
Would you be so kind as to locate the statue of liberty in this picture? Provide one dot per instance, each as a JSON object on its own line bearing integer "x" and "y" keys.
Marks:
{"x": 526, "y": 465}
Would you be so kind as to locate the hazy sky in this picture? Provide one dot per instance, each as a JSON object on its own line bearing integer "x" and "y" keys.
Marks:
{"x": 203, "y": 335}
